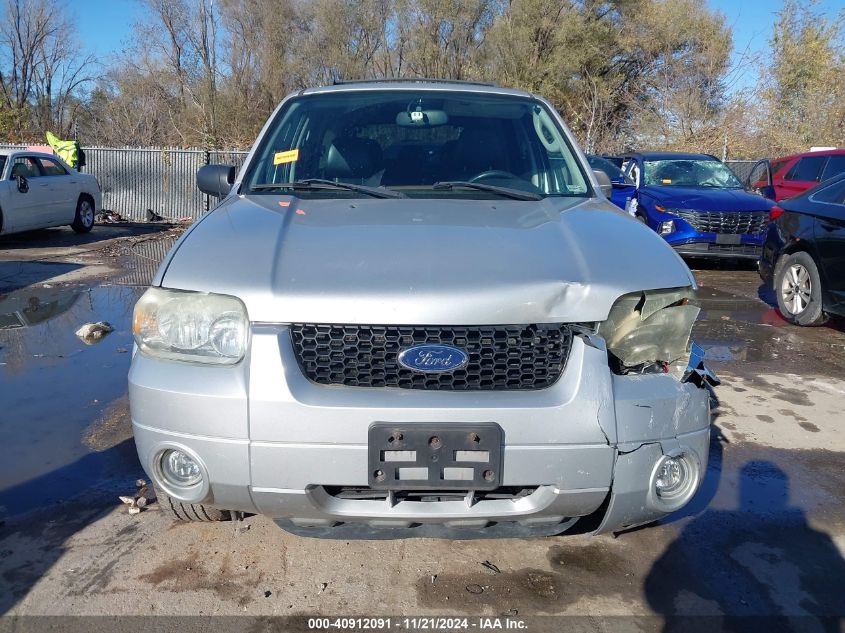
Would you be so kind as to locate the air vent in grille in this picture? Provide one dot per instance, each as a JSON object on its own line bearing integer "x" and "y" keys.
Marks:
{"x": 726, "y": 222}
{"x": 502, "y": 357}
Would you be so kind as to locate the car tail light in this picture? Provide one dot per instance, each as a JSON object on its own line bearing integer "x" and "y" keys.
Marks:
{"x": 775, "y": 212}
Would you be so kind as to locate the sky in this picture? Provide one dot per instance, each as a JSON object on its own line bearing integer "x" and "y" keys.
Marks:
{"x": 752, "y": 22}
{"x": 105, "y": 25}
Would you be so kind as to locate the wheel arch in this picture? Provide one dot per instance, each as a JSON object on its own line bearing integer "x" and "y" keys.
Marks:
{"x": 89, "y": 197}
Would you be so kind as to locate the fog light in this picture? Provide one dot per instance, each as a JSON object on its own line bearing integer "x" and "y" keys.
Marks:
{"x": 667, "y": 227}
{"x": 179, "y": 470}
{"x": 670, "y": 478}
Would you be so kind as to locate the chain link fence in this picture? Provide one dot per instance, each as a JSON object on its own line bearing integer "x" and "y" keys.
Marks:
{"x": 157, "y": 179}
{"x": 742, "y": 168}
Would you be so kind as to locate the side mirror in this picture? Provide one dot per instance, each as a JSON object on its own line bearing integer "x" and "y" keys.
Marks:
{"x": 604, "y": 182}
{"x": 216, "y": 180}
{"x": 23, "y": 185}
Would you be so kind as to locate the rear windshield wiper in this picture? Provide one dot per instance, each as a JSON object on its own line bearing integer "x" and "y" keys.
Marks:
{"x": 320, "y": 183}
{"x": 516, "y": 194}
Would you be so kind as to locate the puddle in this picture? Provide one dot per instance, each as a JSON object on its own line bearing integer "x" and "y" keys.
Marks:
{"x": 54, "y": 387}
{"x": 737, "y": 330}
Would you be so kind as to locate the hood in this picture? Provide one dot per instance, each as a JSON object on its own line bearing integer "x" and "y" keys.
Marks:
{"x": 707, "y": 199}
{"x": 426, "y": 262}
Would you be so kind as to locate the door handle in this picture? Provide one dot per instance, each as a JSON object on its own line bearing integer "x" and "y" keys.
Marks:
{"x": 830, "y": 227}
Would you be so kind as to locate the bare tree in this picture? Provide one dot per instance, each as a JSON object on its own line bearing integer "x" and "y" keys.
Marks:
{"x": 41, "y": 73}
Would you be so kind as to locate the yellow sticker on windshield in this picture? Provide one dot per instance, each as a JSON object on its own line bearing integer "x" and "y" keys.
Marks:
{"x": 290, "y": 156}
{"x": 665, "y": 181}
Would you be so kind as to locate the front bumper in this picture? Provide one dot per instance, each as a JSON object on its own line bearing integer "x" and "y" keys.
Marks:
{"x": 714, "y": 250}
{"x": 690, "y": 242}
{"x": 271, "y": 442}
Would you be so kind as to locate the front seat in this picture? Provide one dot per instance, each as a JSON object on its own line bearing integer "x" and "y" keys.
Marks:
{"x": 352, "y": 158}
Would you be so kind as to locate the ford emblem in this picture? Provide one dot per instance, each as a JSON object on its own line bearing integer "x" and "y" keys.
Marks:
{"x": 433, "y": 358}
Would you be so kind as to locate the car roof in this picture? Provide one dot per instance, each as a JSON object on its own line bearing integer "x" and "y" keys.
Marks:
{"x": 823, "y": 152}
{"x": 9, "y": 152}
{"x": 671, "y": 156}
{"x": 434, "y": 85}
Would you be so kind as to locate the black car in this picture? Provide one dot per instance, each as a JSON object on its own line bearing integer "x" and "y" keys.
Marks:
{"x": 803, "y": 256}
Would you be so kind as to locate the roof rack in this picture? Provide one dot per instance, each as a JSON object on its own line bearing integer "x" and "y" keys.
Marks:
{"x": 419, "y": 80}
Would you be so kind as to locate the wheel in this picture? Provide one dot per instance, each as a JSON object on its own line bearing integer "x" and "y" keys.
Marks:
{"x": 799, "y": 290}
{"x": 180, "y": 511}
{"x": 641, "y": 219}
{"x": 84, "y": 220}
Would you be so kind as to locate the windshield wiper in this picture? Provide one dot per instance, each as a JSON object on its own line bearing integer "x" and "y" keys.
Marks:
{"x": 320, "y": 183}
{"x": 516, "y": 194}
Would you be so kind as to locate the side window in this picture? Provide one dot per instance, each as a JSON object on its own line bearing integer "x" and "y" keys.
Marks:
{"x": 776, "y": 167}
{"x": 807, "y": 169}
{"x": 25, "y": 166}
{"x": 52, "y": 168}
{"x": 835, "y": 166}
{"x": 834, "y": 194}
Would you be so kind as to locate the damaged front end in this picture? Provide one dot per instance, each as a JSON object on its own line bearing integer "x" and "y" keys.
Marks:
{"x": 649, "y": 332}
{"x": 663, "y": 396}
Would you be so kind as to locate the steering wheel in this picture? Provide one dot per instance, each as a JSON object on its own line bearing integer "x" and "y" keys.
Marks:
{"x": 494, "y": 173}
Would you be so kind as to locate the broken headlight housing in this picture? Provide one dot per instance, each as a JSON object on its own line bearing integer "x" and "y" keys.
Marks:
{"x": 649, "y": 331}
{"x": 191, "y": 326}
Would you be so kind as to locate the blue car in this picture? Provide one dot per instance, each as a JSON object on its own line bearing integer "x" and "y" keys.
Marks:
{"x": 623, "y": 188}
{"x": 698, "y": 205}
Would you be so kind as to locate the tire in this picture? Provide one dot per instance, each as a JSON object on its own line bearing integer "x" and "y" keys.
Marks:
{"x": 84, "y": 220}
{"x": 799, "y": 290}
{"x": 641, "y": 219}
{"x": 180, "y": 511}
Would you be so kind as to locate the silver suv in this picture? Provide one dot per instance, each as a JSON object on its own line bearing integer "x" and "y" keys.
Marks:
{"x": 415, "y": 308}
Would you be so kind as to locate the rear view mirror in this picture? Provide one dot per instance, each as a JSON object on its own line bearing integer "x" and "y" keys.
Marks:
{"x": 604, "y": 182}
{"x": 422, "y": 118}
{"x": 23, "y": 185}
{"x": 216, "y": 180}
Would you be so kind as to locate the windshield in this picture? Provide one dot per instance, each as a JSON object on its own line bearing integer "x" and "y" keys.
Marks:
{"x": 408, "y": 141}
{"x": 690, "y": 173}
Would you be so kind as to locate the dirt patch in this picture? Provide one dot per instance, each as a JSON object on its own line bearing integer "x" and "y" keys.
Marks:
{"x": 193, "y": 574}
{"x": 577, "y": 571}
{"x": 529, "y": 590}
{"x": 766, "y": 418}
{"x": 809, "y": 426}
{"x": 594, "y": 558}
{"x": 791, "y": 414}
{"x": 113, "y": 427}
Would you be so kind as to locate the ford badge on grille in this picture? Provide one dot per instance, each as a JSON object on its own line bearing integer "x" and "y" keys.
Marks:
{"x": 433, "y": 358}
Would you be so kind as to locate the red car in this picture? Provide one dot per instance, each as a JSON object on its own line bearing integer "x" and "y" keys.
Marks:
{"x": 788, "y": 176}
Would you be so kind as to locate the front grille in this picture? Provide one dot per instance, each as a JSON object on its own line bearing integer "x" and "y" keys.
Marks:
{"x": 726, "y": 222}
{"x": 501, "y": 357}
{"x": 704, "y": 248}
{"x": 364, "y": 493}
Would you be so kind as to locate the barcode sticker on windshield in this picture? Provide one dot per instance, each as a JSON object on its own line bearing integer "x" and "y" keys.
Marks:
{"x": 290, "y": 156}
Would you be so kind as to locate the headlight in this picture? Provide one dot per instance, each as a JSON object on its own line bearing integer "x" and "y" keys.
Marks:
{"x": 649, "y": 332}
{"x": 191, "y": 326}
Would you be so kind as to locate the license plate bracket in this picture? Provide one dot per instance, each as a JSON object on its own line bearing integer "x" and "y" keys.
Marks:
{"x": 728, "y": 238}
{"x": 428, "y": 457}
